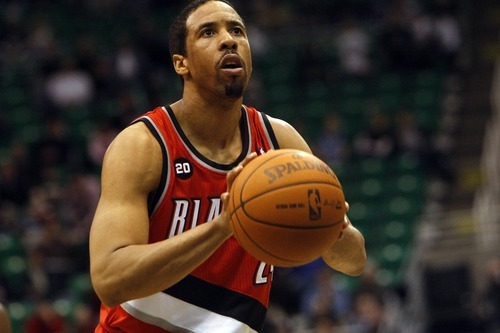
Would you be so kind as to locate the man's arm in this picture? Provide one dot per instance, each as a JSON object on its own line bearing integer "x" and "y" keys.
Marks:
{"x": 348, "y": 254}
{"x": 123, "y": 265}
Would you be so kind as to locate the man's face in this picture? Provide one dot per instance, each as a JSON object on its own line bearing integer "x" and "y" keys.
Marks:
{"x": 218, "y": 52}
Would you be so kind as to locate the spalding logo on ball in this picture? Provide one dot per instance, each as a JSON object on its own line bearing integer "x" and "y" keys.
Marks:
{"x": 286, "y": 207}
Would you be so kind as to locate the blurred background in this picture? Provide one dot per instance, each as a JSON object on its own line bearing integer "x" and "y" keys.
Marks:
{"x": 400, "y": 97}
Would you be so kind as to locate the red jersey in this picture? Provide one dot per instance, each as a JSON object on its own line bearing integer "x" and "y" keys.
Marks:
{"x": 229, "y": 292}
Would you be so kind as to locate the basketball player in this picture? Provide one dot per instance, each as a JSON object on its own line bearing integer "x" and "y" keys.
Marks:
{"x": 162, "y": 254}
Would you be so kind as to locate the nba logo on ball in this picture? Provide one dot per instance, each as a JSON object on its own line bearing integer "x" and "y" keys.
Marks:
{"x": 314, "y": 204}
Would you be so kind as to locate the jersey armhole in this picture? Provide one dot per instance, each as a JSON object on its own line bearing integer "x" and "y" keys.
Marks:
{"x": 270, "y": 131}
{"x": 155, "y": 195}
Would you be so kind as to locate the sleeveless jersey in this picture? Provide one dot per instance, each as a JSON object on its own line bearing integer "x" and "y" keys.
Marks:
{"x": 229, "y": 292}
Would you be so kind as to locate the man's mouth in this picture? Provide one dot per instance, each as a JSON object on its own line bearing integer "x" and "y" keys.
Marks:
{"x": 231, "y": 64}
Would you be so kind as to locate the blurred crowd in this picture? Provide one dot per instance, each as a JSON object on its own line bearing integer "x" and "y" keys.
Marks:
{"x": 49, "y": 183}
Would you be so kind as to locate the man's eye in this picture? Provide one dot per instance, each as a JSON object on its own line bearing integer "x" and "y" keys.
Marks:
{"x": 208, "y": 32}
{"x": 237, "y": 31}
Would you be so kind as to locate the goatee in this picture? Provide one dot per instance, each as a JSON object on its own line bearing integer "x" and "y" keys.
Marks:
{"x": 234, "y": 89}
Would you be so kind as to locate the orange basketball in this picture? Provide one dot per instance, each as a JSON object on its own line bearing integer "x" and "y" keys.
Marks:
{"x": 286, "y": 207}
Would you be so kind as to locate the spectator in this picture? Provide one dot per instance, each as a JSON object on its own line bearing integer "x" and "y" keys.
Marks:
{"x": 5, "y": 325}
{"x": 426, "y": 44}
{"x": 157, "y": 71}
{"x": 396, "y": 42}
{"x": 127, "y": 62}
{"x": 14, "y": 175}
{"x": 86, "y": 54}
{"x": 311, "y": 65}
{"x": 78, "y": 201}
{"x": 378, "y": 139}
{"x": 353, "y": 47}
{"x": 129, "y": 109}
{"x": 54, "y": 151}
{"x": 324, "y": 324}
{"x": 55, "y": 248}
{"x": 85, "y": 320}
{"x": 69, "y": 86}
{"x": 39, "y": 280}
{"x": 449, "y": 38}
{"x": 325, "y": 298}
{"x": 332, "y": 145}
{"x": 45, "y": 319}
{"x": 412, "y": 139}
{"x": 104, "y": 81}
{"x": 99, "y": 140}
{"x": 368, "y": 313}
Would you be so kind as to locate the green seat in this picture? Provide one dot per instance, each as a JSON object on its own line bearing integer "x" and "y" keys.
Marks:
{"x": 354, "y": 107}
{"x": 23, "y": 115}
{"x": 283, "y": 110}
{"x": 279, "y": 73}
{"x": 316, "y": 109}
{"x": 10, "y": 245}
{"x": 18, "y": 313}
{"x": 317, "y": 91}
{"x": 353, "y": 89}
{"x": 389, "y": 83}
{"x": 411, "y": 185}
{"x": 428, "y": 79}
{"x": 358, "y": 211}
{"x": 398, "y": 231}
{"x": 407, "y": 163}
{"x": 80, "y": 286}
{"x": 353, "y": 193}
{"x": 389, "y": 101}
{"x": 402, "y": 208}
{"x": 371, "y": 187}
{"x": 14, "y": 96}
{"x": 14, "y": 269}
{"x": 280, "y": 93}
{"x": 372, "y": 167}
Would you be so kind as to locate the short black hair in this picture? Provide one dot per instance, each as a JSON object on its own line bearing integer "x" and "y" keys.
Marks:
{"x": 178, "y": 30}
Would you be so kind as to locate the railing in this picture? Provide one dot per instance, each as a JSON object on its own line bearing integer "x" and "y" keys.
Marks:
{"x": 486, "y": 207}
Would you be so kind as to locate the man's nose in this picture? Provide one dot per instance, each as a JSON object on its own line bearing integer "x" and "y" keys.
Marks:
{"x": 228, "y": 42}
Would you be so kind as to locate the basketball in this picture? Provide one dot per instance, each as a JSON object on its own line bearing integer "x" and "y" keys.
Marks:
{"x": 286, "y": 207}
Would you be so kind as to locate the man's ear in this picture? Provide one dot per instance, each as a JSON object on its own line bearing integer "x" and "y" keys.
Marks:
{"x": 180, "y": 64}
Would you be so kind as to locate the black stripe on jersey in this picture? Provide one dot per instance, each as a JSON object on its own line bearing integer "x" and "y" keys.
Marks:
{"x": 220, "y": 300}
{"x": 155, "y": 195}
{"x": 270, "y": 131}
{"x": 245, "y": 137}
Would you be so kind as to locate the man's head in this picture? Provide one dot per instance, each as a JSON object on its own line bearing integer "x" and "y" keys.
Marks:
{"x": 178, "y": 30}
{"x": 210, "y": 49}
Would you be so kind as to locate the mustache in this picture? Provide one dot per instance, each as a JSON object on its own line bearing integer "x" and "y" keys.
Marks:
{"x": 230, "y": 52}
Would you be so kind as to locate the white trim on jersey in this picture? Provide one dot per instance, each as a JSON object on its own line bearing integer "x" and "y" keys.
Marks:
{"x": 175, "y": 315}
{"x": 194, "y": 156}
{"x": 158, "y": 132}
{"x": 266, "y": 131}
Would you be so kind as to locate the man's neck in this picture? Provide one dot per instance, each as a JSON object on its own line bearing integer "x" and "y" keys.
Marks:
{"x": 212, "y": 128}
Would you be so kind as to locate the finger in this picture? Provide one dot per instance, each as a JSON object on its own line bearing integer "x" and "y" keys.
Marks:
{"x": 249, "y": 157}
{"x": 231, "y": 176}
{"x": 346, "y": 222}
{"x": 224, "y": 198}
